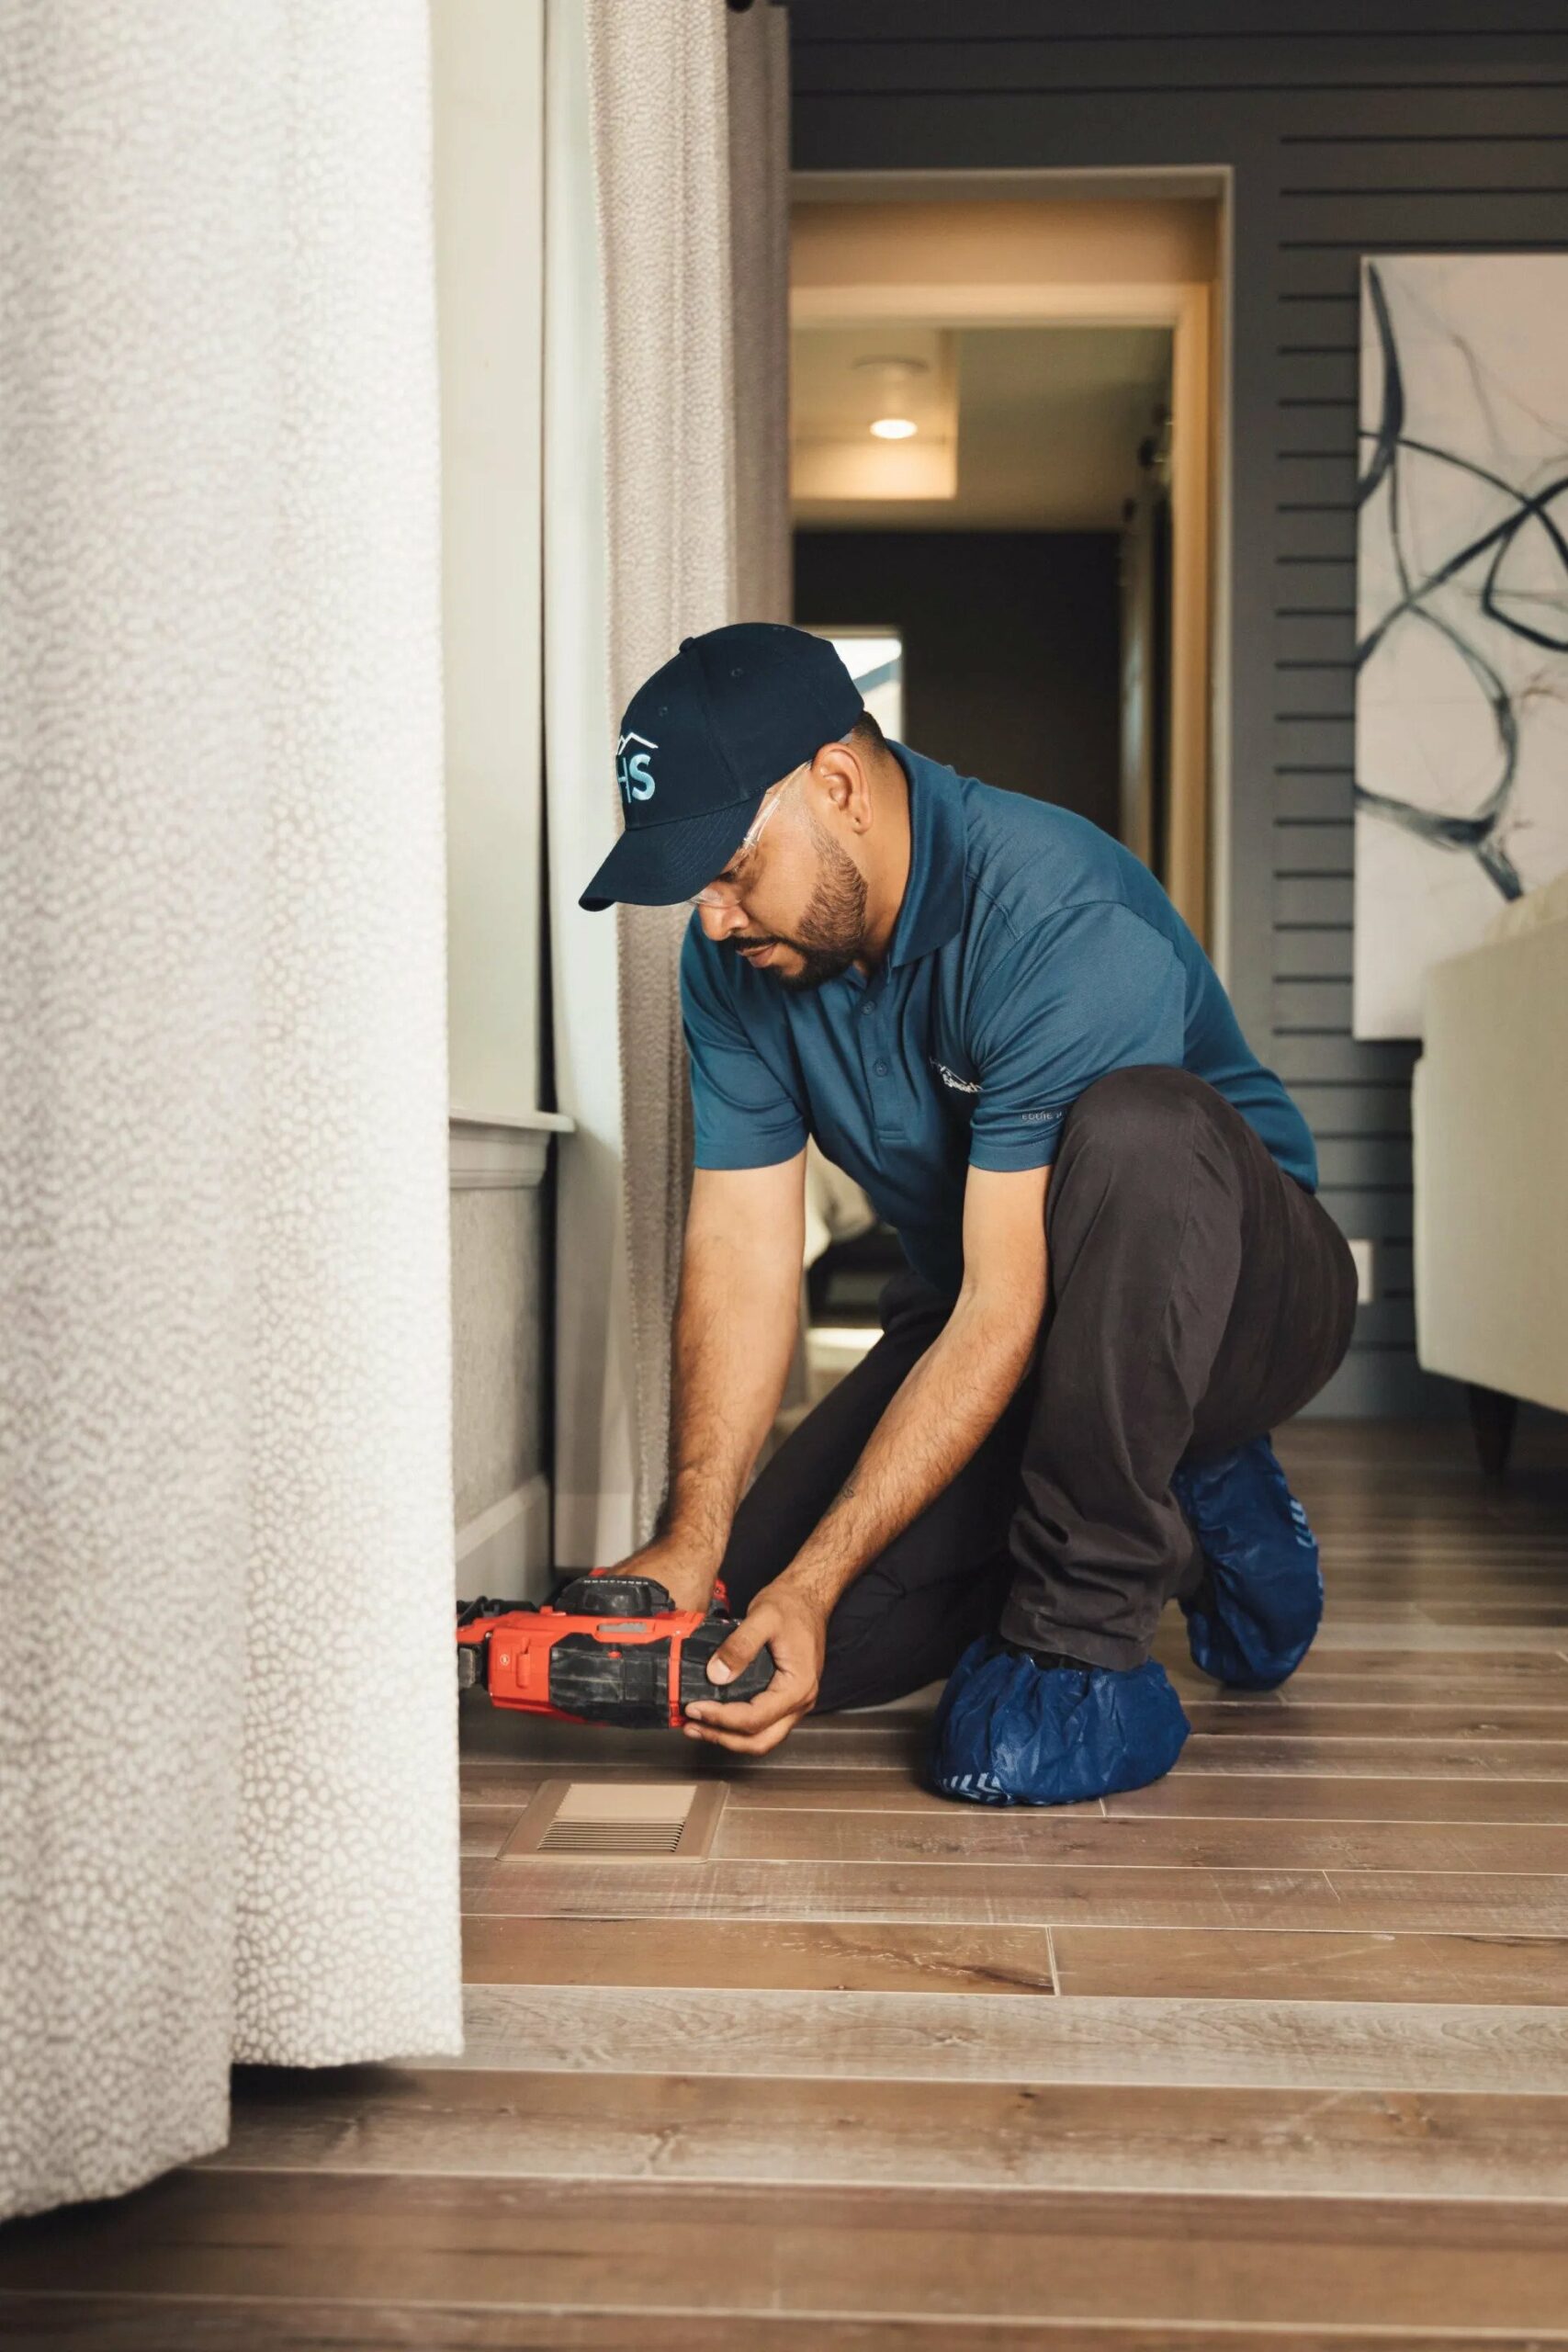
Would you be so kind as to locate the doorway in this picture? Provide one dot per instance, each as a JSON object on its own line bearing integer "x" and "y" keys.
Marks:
{"x": 1007, "y": 448}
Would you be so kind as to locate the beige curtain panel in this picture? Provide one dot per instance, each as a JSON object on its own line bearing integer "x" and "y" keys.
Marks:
{"x": 689, "y": 117}
{"x": 227, "y": 1803}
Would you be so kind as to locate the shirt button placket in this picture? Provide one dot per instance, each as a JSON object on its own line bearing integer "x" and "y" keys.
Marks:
{"x": 872, "y": 1051}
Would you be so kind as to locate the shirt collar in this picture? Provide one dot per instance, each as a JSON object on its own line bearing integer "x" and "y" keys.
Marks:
{"x": 932, "y": 911}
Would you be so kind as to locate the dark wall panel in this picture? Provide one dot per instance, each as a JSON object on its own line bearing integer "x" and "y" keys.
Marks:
{"x": 1349, "y": 127}
{"x": 1012, "y": 648}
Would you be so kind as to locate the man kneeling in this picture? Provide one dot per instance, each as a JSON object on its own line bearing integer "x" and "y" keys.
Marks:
{"x": 1120, "y": 1277}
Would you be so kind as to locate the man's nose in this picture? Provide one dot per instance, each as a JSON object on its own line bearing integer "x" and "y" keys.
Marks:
{"x": 719, "y": 922}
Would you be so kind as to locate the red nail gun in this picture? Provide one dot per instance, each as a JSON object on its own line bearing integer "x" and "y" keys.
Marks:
{"x": 603, "y": 1649}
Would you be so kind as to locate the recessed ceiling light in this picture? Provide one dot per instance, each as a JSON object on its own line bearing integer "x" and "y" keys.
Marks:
{"x": 894, "y": 428}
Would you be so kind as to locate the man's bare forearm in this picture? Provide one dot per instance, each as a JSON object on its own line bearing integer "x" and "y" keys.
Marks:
{"x": 735, "y": 1331}
{"x": 946, "y": 1405}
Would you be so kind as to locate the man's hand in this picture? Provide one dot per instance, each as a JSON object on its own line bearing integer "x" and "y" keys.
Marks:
{"x": 687, "y": 1571}
{"x": 796, "y": 1630}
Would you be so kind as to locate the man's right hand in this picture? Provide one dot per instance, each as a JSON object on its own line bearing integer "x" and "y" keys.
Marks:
{"x": 796, "y": 1630}
{"x": 687, "y": 1572}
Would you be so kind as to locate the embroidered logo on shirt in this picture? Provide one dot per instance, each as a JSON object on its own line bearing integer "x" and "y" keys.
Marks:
{"x": 950, "y": 1078}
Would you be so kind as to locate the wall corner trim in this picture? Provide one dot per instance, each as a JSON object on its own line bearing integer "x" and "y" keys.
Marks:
{"x": 502, "y": 1154}
{"x": 506, "y": 1550}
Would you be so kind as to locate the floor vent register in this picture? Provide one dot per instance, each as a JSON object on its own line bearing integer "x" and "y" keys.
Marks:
{"x": 664, "y": 1819}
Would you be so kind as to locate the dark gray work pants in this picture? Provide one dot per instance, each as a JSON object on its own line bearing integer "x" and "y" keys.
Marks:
{"x": 1197, "y": 1298}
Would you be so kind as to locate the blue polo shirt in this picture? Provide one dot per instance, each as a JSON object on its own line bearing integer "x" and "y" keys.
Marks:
{"x": 1032, "y": 954}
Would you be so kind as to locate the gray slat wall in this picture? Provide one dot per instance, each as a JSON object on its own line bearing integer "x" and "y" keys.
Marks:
{"x": 1351, "y": 127}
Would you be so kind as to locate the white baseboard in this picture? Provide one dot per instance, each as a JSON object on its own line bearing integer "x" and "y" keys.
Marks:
{"x": 505, "y": 1551}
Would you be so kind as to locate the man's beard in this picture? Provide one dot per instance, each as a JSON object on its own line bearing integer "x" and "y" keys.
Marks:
{"x": 832, "y": 928}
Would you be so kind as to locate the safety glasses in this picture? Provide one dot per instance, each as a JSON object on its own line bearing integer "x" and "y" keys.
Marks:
{"x": 728, "y": 894}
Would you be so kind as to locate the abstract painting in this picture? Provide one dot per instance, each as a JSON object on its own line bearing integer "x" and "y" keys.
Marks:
{"x": 1462, "y": 624}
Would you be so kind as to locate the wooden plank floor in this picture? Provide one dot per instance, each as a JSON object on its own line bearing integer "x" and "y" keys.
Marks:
{"x": 1273, "y": 2054}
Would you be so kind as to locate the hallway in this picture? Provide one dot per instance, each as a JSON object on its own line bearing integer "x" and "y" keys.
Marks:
{"x": 1278, "y": 2044}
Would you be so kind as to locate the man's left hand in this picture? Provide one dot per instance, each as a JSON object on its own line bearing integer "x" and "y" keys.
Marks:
{"x": 796, "y": 1630}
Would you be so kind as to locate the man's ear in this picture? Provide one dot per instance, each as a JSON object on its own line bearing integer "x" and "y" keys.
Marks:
{"x": 848, "y": 784}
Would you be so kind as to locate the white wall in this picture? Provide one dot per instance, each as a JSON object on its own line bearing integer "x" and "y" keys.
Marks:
{"x": 488, "y": 122}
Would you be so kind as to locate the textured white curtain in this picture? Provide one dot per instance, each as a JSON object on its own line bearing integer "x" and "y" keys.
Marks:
{"x": 681, "y": 422}
{"x": 227, "y": 1723}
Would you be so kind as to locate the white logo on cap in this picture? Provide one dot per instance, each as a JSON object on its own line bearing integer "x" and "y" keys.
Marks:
{"x": 632, "y": 769}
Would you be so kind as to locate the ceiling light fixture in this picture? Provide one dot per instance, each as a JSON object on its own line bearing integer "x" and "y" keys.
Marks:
{"x": 895, "y": 379}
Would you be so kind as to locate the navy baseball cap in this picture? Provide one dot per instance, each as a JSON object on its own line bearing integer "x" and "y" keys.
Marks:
{"x": 702, "y": 739}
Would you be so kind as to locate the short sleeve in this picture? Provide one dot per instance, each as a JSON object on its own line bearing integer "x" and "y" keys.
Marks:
{"x": 743, "y": 1114}
{"x": 1092, "y": 990}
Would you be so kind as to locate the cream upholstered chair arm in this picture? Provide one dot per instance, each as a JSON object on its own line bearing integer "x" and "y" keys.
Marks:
{"x": 1490, "y": 1127}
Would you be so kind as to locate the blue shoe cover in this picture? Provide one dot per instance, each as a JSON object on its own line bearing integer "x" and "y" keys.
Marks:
{"x": 1251, "y": 1622}
{"x": 1010, "y": 1732}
